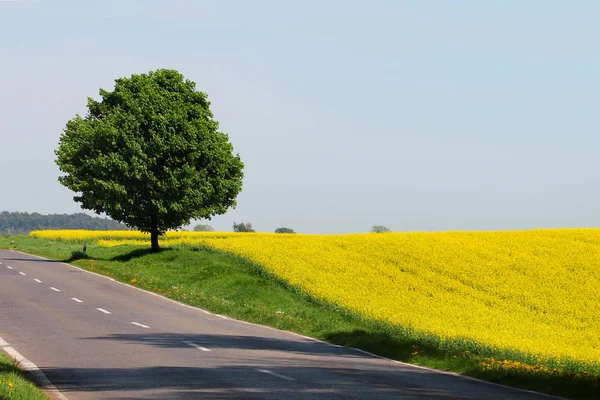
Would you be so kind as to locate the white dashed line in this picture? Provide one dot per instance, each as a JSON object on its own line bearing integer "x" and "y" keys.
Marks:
{"x": 9, "y": 267}
{"x": 141, "y": 325}
{"x": 76, "y": 299}
{"x": 37, "y": 280}
{"x": 55, "y": 289}
{"x": 196, "y": 346}
{"x": 22, "y": 273}
{"x": 103, "y": 310}
{"x": 266, "y": 371}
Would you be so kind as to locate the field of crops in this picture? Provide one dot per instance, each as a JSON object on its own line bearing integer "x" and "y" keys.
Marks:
{"x": 536, "y": 292}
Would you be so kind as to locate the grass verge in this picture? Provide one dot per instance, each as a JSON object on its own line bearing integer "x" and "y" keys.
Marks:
{"x": 14, "y": 385}
{"x": 227, "y": 284}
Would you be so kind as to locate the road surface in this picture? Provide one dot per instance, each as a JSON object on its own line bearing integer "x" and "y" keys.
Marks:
{"x": 98, "y": 339}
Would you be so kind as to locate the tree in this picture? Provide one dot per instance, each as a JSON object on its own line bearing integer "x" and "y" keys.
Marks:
{"x": 203, "y": 228}
{"x": 379, "y": 229}
{"x": 243, "y": 227}
{"x": 284, "y": 230}
{"x": 149, "y": 154}
{"x": 23, "y": 223}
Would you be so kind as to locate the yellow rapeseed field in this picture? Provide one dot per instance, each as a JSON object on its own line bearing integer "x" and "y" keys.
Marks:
{"x": 536, "y": 291}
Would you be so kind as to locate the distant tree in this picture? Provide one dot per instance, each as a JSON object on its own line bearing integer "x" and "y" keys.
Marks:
{"x": 243, "y": 227}
{"x": 149, "y": 154}
{"x": 380, "y": 229}
{"x": 16, "y": 223}
{"x": 203, "y": 228}
{"x": 284, "y": 230}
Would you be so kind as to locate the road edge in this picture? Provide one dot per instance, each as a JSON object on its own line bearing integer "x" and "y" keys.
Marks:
{"x": 32, "y": 371}
{"x": 456, "y": 374}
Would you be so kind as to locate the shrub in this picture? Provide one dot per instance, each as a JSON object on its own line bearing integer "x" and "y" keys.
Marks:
{"x": 203, "y": 228}
{"x": 243, "y": 227}
{"x": 380, "y": 229}
{"x": 284, "y": 230}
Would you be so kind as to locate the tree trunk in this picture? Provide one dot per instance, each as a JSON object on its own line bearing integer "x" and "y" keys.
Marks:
{"x": 154, "y": 233}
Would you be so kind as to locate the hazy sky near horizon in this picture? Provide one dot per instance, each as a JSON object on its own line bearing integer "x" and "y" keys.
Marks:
{"x": 419, "y": 115}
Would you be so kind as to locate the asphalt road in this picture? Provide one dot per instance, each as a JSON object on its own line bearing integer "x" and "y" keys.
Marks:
{"x": 98, "y": 339}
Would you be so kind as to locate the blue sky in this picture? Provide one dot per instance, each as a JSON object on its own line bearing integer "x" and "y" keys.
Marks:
{"x": 419, "y": 115}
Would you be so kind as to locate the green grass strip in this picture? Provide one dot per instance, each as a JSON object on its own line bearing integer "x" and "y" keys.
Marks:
{"x": 14, "y": 385}
{"x": 227, "y": 284}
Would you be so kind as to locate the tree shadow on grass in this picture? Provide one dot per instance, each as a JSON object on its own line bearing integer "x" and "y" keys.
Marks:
{"x": 138, "y": 253}
{"x": 76, "y": 256}
{"x": 384, "y": 344}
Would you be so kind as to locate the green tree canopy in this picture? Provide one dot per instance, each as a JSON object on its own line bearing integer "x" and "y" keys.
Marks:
{"x": 284, "y": 230}
{"x": 380, "y": 229}
{"x": 203, "y": 228}
{"x": 243, "y": 227}
{"x": 149, "y": 154}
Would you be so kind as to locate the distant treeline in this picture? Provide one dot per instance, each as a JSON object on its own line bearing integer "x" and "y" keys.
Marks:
{"x": 15, "y": 223}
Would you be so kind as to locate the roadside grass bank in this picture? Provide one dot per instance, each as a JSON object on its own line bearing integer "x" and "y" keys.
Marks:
{"x": 227, "y": 284}
{"x": 14, "y": 385}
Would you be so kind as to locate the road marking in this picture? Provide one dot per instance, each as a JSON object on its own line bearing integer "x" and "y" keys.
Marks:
{"x": 55, "y": 289}
{"x": 9, "y": 267}
{"x": 141, "y": 325}
{"x": 37, "y": 280}
{"x": 266, "y": 371}
{"x": 22, "y": 273}
{"x": 76, "y": 299}
{"x": 103, "y": 310}
{"x": 196, "y": 346}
